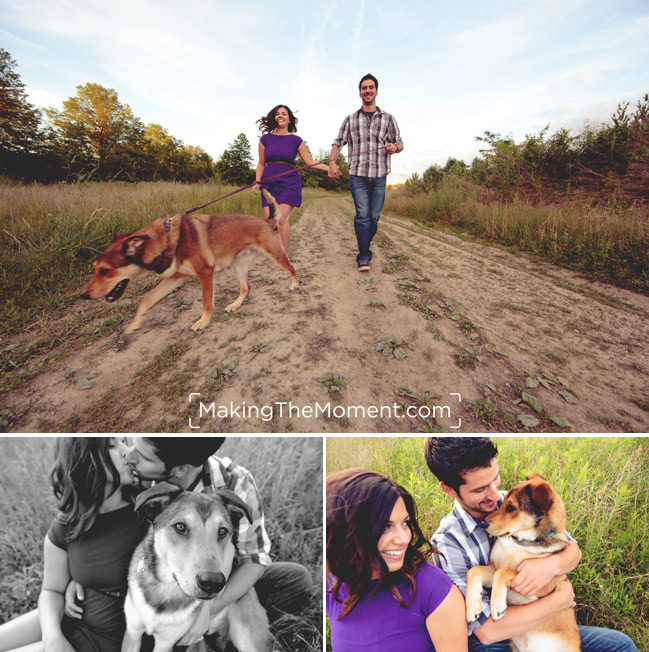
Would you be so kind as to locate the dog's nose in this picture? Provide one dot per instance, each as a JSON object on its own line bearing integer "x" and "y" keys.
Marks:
{"x": 210, "y": 582}
{"x": 85, "y": 295}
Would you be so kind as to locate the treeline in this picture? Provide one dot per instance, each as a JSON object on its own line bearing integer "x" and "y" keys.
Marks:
{"x": 94, "y": 136}
{"x": 604, "y": 163}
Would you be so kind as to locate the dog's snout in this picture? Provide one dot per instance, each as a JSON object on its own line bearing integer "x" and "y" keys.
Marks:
{"x": 85, "y": 295}
{"x": 210, "y": 582}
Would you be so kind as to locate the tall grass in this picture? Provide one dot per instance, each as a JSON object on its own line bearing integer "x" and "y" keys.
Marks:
{"x": 605, "y": 486}
{"x": 608, "y": 243}
{"x": 49, "y": 235}
{"x": 288, "y": 472}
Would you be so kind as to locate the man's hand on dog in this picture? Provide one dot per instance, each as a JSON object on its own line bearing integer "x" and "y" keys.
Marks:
{"x": 565, "y": 593}
{"x": 74, "y": 596}
{"x": 533, "y": 575}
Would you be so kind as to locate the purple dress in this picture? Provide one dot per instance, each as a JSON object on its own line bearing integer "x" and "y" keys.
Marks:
{"x": 280, "y": 157}
{"x": 381, "y": 624}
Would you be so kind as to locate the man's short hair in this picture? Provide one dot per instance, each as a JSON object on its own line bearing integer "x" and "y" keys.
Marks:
{"x": 449, "y": 458}
{"x": 174, "y": 451}
{"x": 368, "y": 76}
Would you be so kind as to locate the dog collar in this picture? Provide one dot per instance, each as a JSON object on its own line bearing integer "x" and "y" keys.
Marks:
{"x": 161, "y": 262}
{"x": 535, "y": 542}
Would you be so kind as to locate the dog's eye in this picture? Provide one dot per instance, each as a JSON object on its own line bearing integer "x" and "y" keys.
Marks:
{"x": 181, "y": 528}
{"x": 510, "y": 508}
{"x": 223, "y": 531}
{"x": 103, "y": 271}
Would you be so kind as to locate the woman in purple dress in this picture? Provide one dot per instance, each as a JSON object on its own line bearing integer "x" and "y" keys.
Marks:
{"x": 382, "y": 593}
{"x": 277, "y": 150}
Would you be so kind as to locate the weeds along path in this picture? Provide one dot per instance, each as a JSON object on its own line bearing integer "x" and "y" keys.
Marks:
{"x": 441, "y": 334}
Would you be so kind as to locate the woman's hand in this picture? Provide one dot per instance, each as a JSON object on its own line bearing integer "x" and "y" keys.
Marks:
{"x": 255, "y": 188}
{"x": 73, "y": 594}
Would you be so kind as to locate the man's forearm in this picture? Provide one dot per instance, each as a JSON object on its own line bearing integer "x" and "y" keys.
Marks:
{"x": 520, "y": 619}
{"x": 242, "y": 579}
{"x": 567, "y": 559}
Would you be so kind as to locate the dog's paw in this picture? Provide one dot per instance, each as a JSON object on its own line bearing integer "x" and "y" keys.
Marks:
{"x": 294, "y": 286}
{"x": 200, "y": 324}
{"x": 232, "y": 307}
{"x": 498, "y": 608}
{"x": 473, "y": 610}
{"x": 472, "y": 616}
{"x": 132, "y": 328}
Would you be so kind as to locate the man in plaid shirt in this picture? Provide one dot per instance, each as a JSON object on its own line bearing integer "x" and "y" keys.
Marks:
{"x": 372, "y": 136}
{"x": 282, "y": 587}
{"x": 468, "y": 472}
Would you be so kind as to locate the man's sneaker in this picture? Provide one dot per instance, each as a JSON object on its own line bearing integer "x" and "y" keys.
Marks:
{"x": 363, "y": 267}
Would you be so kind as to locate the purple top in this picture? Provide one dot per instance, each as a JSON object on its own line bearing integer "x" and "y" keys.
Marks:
{"x": 281, "y": 148}
{"x": 381, "y": 624}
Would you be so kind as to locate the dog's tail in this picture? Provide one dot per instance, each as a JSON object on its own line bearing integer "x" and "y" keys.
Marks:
{"x": 273, "y": 206}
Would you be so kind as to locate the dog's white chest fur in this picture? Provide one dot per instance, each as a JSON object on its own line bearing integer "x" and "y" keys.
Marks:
{"x": 169, "y": 626}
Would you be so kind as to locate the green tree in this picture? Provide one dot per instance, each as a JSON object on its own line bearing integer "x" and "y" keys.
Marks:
{"x": 235, "y": 165}
{"x": 162, "y": 153}
{"x": 98, "y": 130}
{"x": 20, "y": 138}
{"x": 198, "y": 164}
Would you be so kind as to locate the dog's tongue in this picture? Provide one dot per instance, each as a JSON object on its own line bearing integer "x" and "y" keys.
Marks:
{"x": 117, "y": 291}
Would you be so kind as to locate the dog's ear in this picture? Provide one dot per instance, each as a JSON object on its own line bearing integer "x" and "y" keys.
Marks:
{"x": 531, "y": 476}
{"x": 134, "y": 245}
{"x": 541, "y": 495}
{"x": 235, "y": 505}
{"x": 154, "y": 500}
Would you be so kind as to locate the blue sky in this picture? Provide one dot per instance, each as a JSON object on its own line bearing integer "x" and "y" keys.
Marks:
{"x": 207, "y": 70}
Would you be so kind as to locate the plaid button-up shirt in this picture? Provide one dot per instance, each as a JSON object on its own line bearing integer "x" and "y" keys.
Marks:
{"x": 253, "y": 546}
{"x": 363, "y": 134}
{"x": 464, "y": 542}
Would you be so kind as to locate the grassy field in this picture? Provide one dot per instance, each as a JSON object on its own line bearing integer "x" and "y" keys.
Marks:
{"x": 288, "y": 472}
{"x": 605, "y": 486}
{"x": 605, "y": 243}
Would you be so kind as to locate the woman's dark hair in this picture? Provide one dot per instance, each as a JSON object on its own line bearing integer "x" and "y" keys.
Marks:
{"x": 79, "y": 479}
{"x": 267, "y": 123}
{"x": 359, "y": 505}
{"x": 449, "y": 458}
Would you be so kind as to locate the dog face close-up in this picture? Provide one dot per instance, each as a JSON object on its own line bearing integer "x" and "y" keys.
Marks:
{"x": 194, "y": 535}
{"x": 529, "y": 511}
{"x": 113, "y": 271}
{"x": 195, "y": 539}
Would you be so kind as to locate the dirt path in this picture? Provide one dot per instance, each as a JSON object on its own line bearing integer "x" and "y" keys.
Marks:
{"x": 441, "y": 334}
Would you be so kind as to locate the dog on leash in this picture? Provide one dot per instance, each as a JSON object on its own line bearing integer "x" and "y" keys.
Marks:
{"x": 188, "y": 245}
{"x": 183, "y": 562}
{"x": 530, "y": 523}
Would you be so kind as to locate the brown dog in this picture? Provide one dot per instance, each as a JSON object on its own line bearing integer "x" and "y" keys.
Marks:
{"x": 187, "y": 245}
{"x": 530, "y": 523}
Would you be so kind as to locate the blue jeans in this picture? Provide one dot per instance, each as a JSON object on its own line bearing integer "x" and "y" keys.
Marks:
{"x": 368, "y": 194}
{"x": 593, "y": 639}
